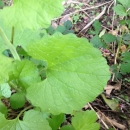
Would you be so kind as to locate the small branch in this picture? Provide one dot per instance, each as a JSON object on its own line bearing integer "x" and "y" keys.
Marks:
{"x": 88, "y": 8}
{"x": 9, "y": 45}
{"x": 89, "y": 24}
{"x": 98, "y": 116}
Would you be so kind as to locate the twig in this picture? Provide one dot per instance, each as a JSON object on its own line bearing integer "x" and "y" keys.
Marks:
{"x": 98, "y": 116}
{"x": 89, "y": 24}
{"x": 88, "y": 8}
{"x": 113, "y": 16}
{"x": 110, "y": 7}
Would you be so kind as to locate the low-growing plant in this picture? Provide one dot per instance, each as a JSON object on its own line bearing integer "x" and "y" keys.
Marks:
{"x": 42, "y": 78}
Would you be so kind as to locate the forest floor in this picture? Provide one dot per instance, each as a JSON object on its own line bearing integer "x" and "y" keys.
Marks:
{"x": 113, "y": 105}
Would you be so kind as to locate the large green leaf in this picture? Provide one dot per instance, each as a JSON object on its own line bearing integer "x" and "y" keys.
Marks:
{"x": 120, "y": 10}
{"x": 31, "y": 13}
{"x": 25, "y": 73}
{"x": 76, "y": 73}
{"x": 22, "y": 38}
{"x": 5, "y": 64}
{"x": 32, "y": 120}
{"x": 126, "y": 4}
{"x": 85, "y": 121}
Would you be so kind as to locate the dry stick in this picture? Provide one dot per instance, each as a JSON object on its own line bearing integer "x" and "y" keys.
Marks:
{"x": 113, "y": 45}
{"x": 98, "y": 116}
{"x": 88, "y": 8}
{"x": 98, "y": 17}
{"x": 76, "y": 2}
{"x": 110, "y": 7}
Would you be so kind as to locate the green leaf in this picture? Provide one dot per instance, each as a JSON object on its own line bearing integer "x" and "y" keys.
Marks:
{"x": 108, "y": 38}
{"x": 3, "y": 108}
{"x": 111, "y": 103}
{"x": 85, "y": 121}
{"x": 24, "y": 37}
{"x": 32, "y": 120}
{"x": 125, "y": 3}
{"x": 120, "y": 10}
{"x": 68, "y": 24}
{"x": 97, "y": 26}
{"x": 76, "y": 73}
{"x": 1, "y": 3}
{"x": 67, "y": 127}
{"x": 60, "y": 29}
{"x": 126, "y": 37}
{"x": 31, "y": 14}
{"x": 5, "y": 90}
{"x": 5, "y": 64}
{"x": 17, "y": 100}
{"x": 96, "y": 41}
{"x": 125, "y": 66}
{"x": 25, "y": 73}
{"x": 55, "y": 121}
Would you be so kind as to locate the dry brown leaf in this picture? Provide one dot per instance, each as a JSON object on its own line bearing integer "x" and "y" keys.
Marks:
{"x": 124, "y": 29}
{"x": 114, "y": 32}
{"x": 123, "y": 48}
{"x": 54, "y": 24}
{"x": 109, "y": 88}
{"x": 64, "y": 19}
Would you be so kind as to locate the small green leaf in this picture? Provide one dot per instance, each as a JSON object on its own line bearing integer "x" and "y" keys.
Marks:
{"x": 111, "y": 103}
{"x": 96, "y": 41}
{"x": 25, "y": 73}
{"x": 108, "y": 38}
{"x": 97, "y": 26}
{"x": 17, "y": 100}
{"x": 31, "y": 14}
{"x": 5, "y": 90}
{"x": 55, "y": 121}
{"x": 126, "y": 37}
{"x": 60, "y": 29}
{"x": 120, "y": 10}
{"x": 68, "y": 24}
{"x": 125, "y": 68}
{"x": 125, "y": 3}
{"x": 67, "y": 127}
{"x": 85, "y": 121}
{"x": 76, "y": 73}
{"x": 3, "y": 108}
{"x": 32, "y": 120}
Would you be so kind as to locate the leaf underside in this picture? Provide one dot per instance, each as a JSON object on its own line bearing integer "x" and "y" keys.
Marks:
{"x": 76, "y": 73}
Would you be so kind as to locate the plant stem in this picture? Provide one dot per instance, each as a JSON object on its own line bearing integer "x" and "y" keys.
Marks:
{"x": 10, "y": 46}
{"x": 24, "y": 111}
{"x": 12, "y": 35}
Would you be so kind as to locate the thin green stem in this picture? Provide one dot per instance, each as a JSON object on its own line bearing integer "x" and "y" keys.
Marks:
{"x": 29, "y": 107}
{"x": 12, "y": 35}
{"x": 10, "y": 46}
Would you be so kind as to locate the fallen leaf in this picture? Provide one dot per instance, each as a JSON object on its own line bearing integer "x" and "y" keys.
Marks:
{"x": 123, "y": 48}
{"x": 111, "y": 103}
{"x": 109, "y": 88}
